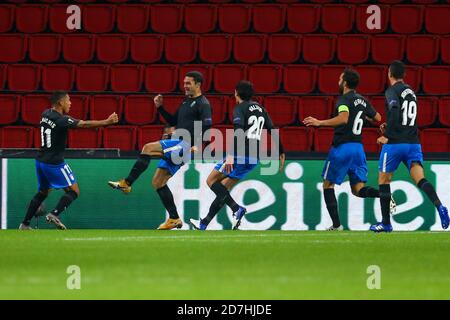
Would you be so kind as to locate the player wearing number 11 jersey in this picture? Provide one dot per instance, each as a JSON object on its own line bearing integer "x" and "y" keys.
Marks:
{"x": 401, "y": 144}
{"x": 51, "y": 169}
{"x": 347, "y": 156}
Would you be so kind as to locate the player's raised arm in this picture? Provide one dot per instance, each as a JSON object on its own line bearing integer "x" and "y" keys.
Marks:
{"x": 112, "y": 119}
{"x": 172, "y": 119}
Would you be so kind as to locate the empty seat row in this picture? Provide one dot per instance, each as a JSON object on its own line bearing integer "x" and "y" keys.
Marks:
{"x": 229, "y": 18}
{"x": 140, "y": 110}
{"x": 220, "y": 48}
{"x": 128, "y": 138}
{"x": 267, "y": 78}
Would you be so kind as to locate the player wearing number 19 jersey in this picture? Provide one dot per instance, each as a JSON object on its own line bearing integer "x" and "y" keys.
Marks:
{"x": 401, "y": 144}
{"x": 249, "y": 119}
{"x": 51, "y": 169}
{"x": 347, "y": 156}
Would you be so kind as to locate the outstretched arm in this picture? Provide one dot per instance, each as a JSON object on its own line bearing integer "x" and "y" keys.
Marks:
{"x": 112, "y": 119}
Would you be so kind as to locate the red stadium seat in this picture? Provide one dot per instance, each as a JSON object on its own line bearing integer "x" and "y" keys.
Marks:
{"x": 284, "y": 48}
{"x": 300, "y": 79}
{"x": 78, "y": 48}
{"x": 120, "y": 137}
{"x": 205, "y": 69}
{"x": 13, "y": 47}
{"x": 85, "y": 138}
{"x": 181, "y": 48}
{"x": 99, "y": 18}
{"x": 33, "y": 106}
{"x": 444, "y": 111}
{"x": 234, "y": 18}
{"x": 365, "y": 25}
{"x": 80, "y": 106}
{"x": 166, "y": 18}
{"x": 436, "y": 80}
{"x": 373, "y": 79}
{"x": 171, "y": 105}
{"x": 445, "y": 49}
{"x": 219, "y": 138}
{"x": 436, "y": 19}
{"x": 319, "y": 107}
{"x": 6, "y": 17}
{"x": 148, "y": 134}
{"x": 133, "y": 18}
{"x": 422, "y": 49}
{"x": 200, "y": 18}
{"x": 139, "y": 109}
{"x": 282, "y": 110}
{"x": 329, "y": 78}
{"x": 58, "y": 77}
{"x": 427, "y": 111}
{"x": 104, "y": 105}
{"x": 406, "y": 18}
{"x": 338, "y": 18}
{"x": 24, "y": 77}
{"x": 387, "y": 48}
{"x": 296, "y": 139}
{"x": 219, "y": 108}
{"x": 58, "y": 18}
{"x": 369, "y": 139}
{"x": 45, "y": 48}
{"x": 353, "y": 49}
{"x": 146, "y": 48}
{"x": 266, "y": 78}
{"x": 379, "y": 103}
{"x": 10, "y": 106}
{"x": 112, "y": 48}
{"x": 127, "y": 77}
{"x": 319, "y": 49}
{"x": 391, "y": 1}
{"x": 31, "y": 18}
{"x": 269, "y": 18}
{"x": 413, "y": 77}
{"x": 323, "y": 138}
{"x": 3, "y": 76}
{"x": 303, "y": 18}
{"x": 92, "y": 77}
{"x": 161, "y": 78}
{"x": 249, "y": 48}
{"x": 435, "y": 140}
{"x": 226, "y": 76}
{"x": 215, "y": 48}
{"x": 17, "y": 137}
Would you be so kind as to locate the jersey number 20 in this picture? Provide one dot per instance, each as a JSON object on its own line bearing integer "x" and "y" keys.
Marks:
{"x": 257, "y": 124}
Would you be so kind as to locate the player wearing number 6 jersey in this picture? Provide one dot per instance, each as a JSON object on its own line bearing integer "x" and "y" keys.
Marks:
{"x": 249, "y": 119}
{"x": 347, "y": 156}
{"x": 51, "y": 169}
{"x": 401, "y": 144}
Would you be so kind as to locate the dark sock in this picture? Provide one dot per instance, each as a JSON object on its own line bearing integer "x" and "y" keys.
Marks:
{"x": 64, "y": 202}
{"x": 33, "y": 207}
{"x": 332, "y": 206}
{"x": 385, "y": 201}
{"x": 139, "y": 167}
{"x": 216, "y": 205}
{"x": 167, "y": 199}
{"x": 428, "y": 188}
{"x": 222, "y": 193}
{"x": 369, "y": 192}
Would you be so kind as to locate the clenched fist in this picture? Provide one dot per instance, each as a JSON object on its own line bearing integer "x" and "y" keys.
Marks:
{"x": 113, "y": 118}
{"x": 158, "y": 101}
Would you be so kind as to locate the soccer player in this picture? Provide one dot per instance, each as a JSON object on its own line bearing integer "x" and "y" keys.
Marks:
{"x": 51, "y": 169}
{"x": 347, "y": 156}
{"x": 249, "y": 118}
{"x": 401, "y": 144}
{"x": 195, "y": 107}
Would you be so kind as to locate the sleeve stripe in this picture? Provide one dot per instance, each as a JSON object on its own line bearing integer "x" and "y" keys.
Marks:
{"x": 343, "y": 108}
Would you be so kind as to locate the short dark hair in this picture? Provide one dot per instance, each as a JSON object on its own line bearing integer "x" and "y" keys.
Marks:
{"x": 245, "y": 90}
{"x": 397, "y": 69}
{"x": 196, "y": 75}
{"x": 351, "y": 76}
{"x": 57, "y": 96}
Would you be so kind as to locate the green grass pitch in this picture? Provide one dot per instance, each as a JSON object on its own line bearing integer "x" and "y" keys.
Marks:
{"x": 223, "y": 264}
